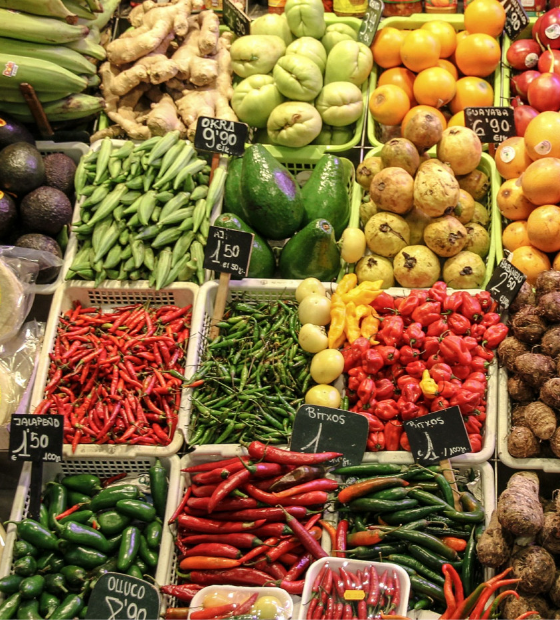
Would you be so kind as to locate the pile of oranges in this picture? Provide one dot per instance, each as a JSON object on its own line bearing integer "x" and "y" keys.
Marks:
{"x": 530, "y": 195}
{"x": 434, "y": 67}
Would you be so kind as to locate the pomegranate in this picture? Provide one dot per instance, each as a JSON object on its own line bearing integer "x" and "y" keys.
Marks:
{"x": 524, "y": 54}
{"x": 520, "y": 83}
{"x": 550, "y": 62}
{"x": 544, "y": 92}
{"x": 548, "y": 32}
{"x": 522, "y": 116}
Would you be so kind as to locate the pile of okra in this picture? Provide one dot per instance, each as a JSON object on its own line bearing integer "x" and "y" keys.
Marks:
{"x": 252, "y": 377}
{"x": 407, "y": 515}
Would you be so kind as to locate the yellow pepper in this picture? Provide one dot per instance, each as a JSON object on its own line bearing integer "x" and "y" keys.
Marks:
{"x": 347, "y": 283}
{"x": 352, "y": 323}
{"x": 370, "y": 326}
{"x": 336, "y": 329}
{"x": 365, "y": 293}
{"x": 428, "y": 385}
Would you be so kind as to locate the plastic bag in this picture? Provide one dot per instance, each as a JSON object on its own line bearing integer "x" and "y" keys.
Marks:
{"x": 19, "y": 268}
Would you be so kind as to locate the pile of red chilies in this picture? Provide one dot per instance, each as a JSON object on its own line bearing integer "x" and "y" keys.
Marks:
{"x": 333, "y": 599}
{"x": 117, "y": 377}
{"x": 236, "y": 527}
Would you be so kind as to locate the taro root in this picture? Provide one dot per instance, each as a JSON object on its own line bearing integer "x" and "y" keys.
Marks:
{"x": 535, "y": 567}
{"x": 540, "y": 419}
{"x": 525, "y": 297}
{"x": 527, "y": 325}
{"x": 513, "y": 608}
{"x": 492, "y": 548}
{"x": 554, "y": 592}
{"x": 518, "y": 416}
{"x": 554, "y": 443}
{"x": 550, "y": 343}
{"x": 520, "y": 390}
{"x": 509, "y": 350}
{"x": 519, "y": 509}
{"x": 547, "y": 282}
{"x": 550, "y": 393}
{"x": 535, "y": 369}
{"x": 522, "y": 443}
{"x": 549, "y": 306}
{"x": 549, "y": 536}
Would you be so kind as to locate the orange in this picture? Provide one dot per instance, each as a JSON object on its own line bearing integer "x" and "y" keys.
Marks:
{"x": 399, "y": 76}
{"x": 425, "y": 108}
{"x": 434, "y": 87}
{"x": 512, "y": 159}
{"x": 478, "y": 54}
{"x": 541, "y": 181}
{"x": 460, "y": 36}
{"x": 542, "y": 136}
{"x": 472, "y": 92}
{"x": 445, "y": 34}
{"x": 512, "y": 202}
{"x": 485, "y": 16}
{"x": 457, "y": 120}
{"x": 543, "y": 228}
{"x": 389, "y": 104}
{"x": 386, "y": 47}
{"x": 515, "y": 236}
{"x": 530, "y": 261}
{"x": 448, "y": 66}
{"x": 556, "y": 262}
{"x": 420, "y": 50}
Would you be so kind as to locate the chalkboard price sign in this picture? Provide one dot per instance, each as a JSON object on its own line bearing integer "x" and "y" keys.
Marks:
{"x": 324, "y": 429}
{"x": 228, "y": 251}
{"x": 505, "y": 283}
{"x": 516, "y": 18}
{"x": 220, "y": 136}
{"x": 437, "y": 436}
{"x": 491, "y": 124}
{"x": 236, "y": 19}
{"x": 36, "y": 437}
{"x": 118, "y": 596}
{"x": 370, "y": 22}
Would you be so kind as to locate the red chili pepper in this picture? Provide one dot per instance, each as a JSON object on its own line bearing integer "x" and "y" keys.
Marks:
{"x": 486, "y": 302}
{"x": 458, "y": 323}
{"x": 408, "y": 355}
{"x": 234, "y": 576}
{"x": 386, "y": 410}
{"x": 437, "y": 328}
{"x": 391, "y": 331}
{"x": 411, "y": 390}
{"x": 305, "y": 537}
{"x": 341, "y": 533}
{"x": 215, "y": 527}
{"x": 383, "y": 303}
{"x": 321, "y": 484}
{"x": 414, "y": 335}
{"x": 372, "y": 361}
{"x": 183, "y": 593}
{"x": 407, "y": 305}
{"x": 458, "y": 544}
{"x": 203, "y": 503}
{"x": 431, "y": 346}
{"x": 366, "y": 389}
{"x": 427, "y": 313}
{"x": 495, "y": 334}
{"x": 393, "y": 432}
{"x": 224, "y": 611}
{"x": 71, "y": 510}
{"x": 407, "y": 410}
{"x": 441, "y": 372}
{"x": 261, "y": 451}
{"x": 299, "y": 567}
{"x": 385, "y": 389}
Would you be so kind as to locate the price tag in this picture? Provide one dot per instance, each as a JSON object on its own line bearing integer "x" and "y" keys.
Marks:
{"x": 437, "y": 436}
{"x": 491, "y": 124}
{"x": 354, "y": 595}
{"x": 516, "y": 18}
{"x": 370, "y": 22}
{"x": 219, "y": 136}
{"x": 236, "y": 19}
{"x": 36, "y": 437}
{"x": 118, "y": 596}
{"x": 228, "y": 251}
{"x": 505, "y": 283}
{"x": 324, "y": 429}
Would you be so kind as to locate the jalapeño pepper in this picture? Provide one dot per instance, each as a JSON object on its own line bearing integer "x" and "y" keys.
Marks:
{"x": 112, "y": 522}
{"x": 136, "y": 509}
{"x": 74, "y": 497}
{"x": 10, "y": 584}
{"x": 9, "y": 607}
{"x": 88, "y": 484}
{"x": 34, "y": 533}
{"x": 75, "y": 576}
{"x": 31, "y": 587}
{"x": 47, "y": 603}
{"x": 148, "y": 555}
{"x": 69, "y": 608}
{"x": 29, "y": 610}
{"x": 153, "y": 534}
{"x": 134, "y": 571}
{"x": 81, "y": 516}
{"x": 84, "y": 556}
{"x": 57, "y": 504}
{"x": 159, "y": 487}
{"x": 130, "y": 544}
{"x": 44, "y": 516}
{"x": 23, "y": 548}
{"x": 113, "y": 544}
{"x": 55, "y": 584}
{"x": 80, "y": 534}
{"x": 49, "y": 563}
{"x": 109, "y": 497}
{"x": 25, "y": 567}
{"x": 107, "y": 567}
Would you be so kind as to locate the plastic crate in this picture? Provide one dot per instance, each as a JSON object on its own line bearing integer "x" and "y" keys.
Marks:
{"x": 103, "y": 469}
{"x": 74, "y": 150}
{"x": 73, "y": 242}
{"x": 413, "y": 22}
{"x": 488, "y": 166}
{"x": 110, "y": 295}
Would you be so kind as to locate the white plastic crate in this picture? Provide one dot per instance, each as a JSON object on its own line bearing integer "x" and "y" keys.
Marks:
{"x": 264, "y": 290}
{"x": 107, "y": 296}
{"x": 73, "y": 242}
{"x": 74, "y": 150}
{"x": 103, "y": 469}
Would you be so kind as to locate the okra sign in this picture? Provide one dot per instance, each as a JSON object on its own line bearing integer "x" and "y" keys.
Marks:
{"x": 220, "y": 136}
{"x": 324, "y": 429}
{"x": 118, "y": 596}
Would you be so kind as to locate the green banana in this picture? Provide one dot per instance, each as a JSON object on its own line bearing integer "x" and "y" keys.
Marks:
{"x": 46, "y": 8}
{"x": 88, "y": 47}
{"x": 67, "y": 109}
{"x": 38, "y": 29}
{"x": 60, "y": 55}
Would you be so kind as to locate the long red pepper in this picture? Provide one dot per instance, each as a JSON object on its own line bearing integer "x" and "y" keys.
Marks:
{"x": 240, "y": 540}
{"x": 299, "y": 567}
{"x": 183, "y": 593}
{"x": 224, "y": 611}
{"x": 213, "y": 465}
{"x": 305, "y": 537}
{"x": 215, "y": 527}
{"x": 252, "y": 514}
{"x": 323, "y": 484}
{"x": 203, "y": 503}
{"x": 233, "y": 576}
{"x": 260, "y": 451}
{"x": 214, "y": 550}
{"x": 340, "y": 538}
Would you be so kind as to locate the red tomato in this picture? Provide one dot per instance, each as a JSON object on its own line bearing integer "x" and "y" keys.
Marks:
{"x": 524, "y": 54}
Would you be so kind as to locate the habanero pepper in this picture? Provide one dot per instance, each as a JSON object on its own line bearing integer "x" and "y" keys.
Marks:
{"x": 453, "y": 350}
{"x": 491, "y": 318}
{"x": 390, "y": 354}
{"x": 396, "y": 371}
{"x": 461, "y": 372}
{"x": 453, "y": 302}
{"x": 374, "y": 423}
{"x": 407, "y": 305}
{"x": 366, "y": 389}
{"x": 481, "y": 351}
{"x": 478, "y": 387}
{"x": 393, "y": 432}
{"x": 431, "y": 346}
{"x": 465, "y": 400}
{"x": 438, "y": 404}
{"x": 479, "y": 364}
{"x": 433, "y": 360}
{"x": 408, "y": 355}
{"x": 470, "y": 343}
{"x": 495, "y": 334}
{"x": 476, "y": 442}
{"x": 386, "y": 409}
{"x": 404, "y": 443}
{"x": 458, "y": 323}
{"x": 383, "y": 303}
{"x": 478, "y": 331}
{"x": 355, "y": 377}
{"x": 408, "y": 410}
{"x": 470, "y": 308}
{"x": 437, "y": 328}
{"x": 438, "y": 291}
{"x": 473, "y": 425}
{"x": 385, "y": 389}
{"x": 376, "y": 441}
{"x": 414, "y": 335}
{"x": 352, "y": 357}
{"x": 446, "y": 389}
{"x": 372, "y": 362}
{"x": 486, "y": 302}
{"x": 411, "y": 390}
{"x": 441, "y": 372}
{"x": 477, "y": 376}
{"x": 416, "y": 369}
{"x": 391, "y": 332}
{"x": 421, "y": 293}
{"x": 427, "y": 313}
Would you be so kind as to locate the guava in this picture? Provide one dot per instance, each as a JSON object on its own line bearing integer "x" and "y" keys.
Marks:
{"x": 417, "y": 221}
{"x": 367, "y": 170}
{"x": 476, "y": 183}
{"x": 392, "y": 189}
{"x": 436, "y": 191}
{"x": 461, "y": 148}
{"x": 464, "y": 209}
{"x": 445, "y": 236}
{"x": 416, "y": 266}
{"x": 373, "y": 267}
{"x": 424, "y": 130}
{"x": 464, "y": 270}
{"x": 387, "y": 234}
{"x": 478, "y": 239}
{"x": 367, "y": 210}
{"x": 480, "y": 215}
{"x": 400, "y": 153}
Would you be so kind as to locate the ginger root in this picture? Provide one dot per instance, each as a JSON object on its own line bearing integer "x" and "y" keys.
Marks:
{"x": 164, "y": 118}
{"x": 209, "y": 32}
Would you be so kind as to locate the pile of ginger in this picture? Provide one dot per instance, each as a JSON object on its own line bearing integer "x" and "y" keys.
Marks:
{"x": 167, "y": 70}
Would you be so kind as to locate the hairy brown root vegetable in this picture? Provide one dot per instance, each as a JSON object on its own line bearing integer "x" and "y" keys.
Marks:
{"x": 541, "y": 419}
{"x": 550, "y": 393}
{"x": 525, "y": 297}
{"x": 547, "y": 282}
{"x": 509, "y": 350}
{"x": 549, "y": 306}
{"x": 514, "y": 608}
{"x": 554, "y": 592}
{"x": 493, "y": 548}
{"x": 550, "y": 343}
{"x": 549, "y": 536}
{"x": 554, "y": 443}
{"x": 535, "y": 369}
{"x": 535, "y": 567}
{"x": 519, "y": 509}
{"x": 520, "y": 390}
{"x": 522, "y": 443}
{"x": 528, "y": 326}
{"x": 518, "y": 416}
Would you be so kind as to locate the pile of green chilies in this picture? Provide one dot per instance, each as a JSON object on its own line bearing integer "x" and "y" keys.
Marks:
{"x": 255, "y": 376}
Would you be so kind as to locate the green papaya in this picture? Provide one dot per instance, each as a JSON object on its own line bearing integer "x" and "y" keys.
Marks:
{"x": 262, "y": 263}
{"x": 271, "y": 194}
{"x": 233, "y": 200}
{"x": 325, "y": 195}
{"x": 311, "y": 253}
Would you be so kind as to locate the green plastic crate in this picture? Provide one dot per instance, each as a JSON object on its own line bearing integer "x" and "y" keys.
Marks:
{"x": 487, "y": 166}
{"x": 412, "y": 23}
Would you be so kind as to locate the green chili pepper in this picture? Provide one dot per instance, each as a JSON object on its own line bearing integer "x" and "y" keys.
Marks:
{"x": 28, "y": 610}
{"x": 141, "y": 564}
{"x": 25, "y": 567}
{"x": 130, "y": 544}
{"x": 83, "y": 556}
{"x": 55, "y": 584}
{"x": 69, "y": 608}
{"x": 406, "y": 516}
{"x": 364, "y": 504}
{"x": 112, "y": 522}
{"x": 80, "y": 516}
{"x": 9, "y": 607}
{"x": 47, "y": 604}
{"x": 75, "y": 576}
{"x": 109, "y": 497}
{"x": 423, "y": 586}
{"x": 425, "y": 540}
{"x": 134, "y": 571}
{"x": 75, "y": 497}
{"x": 113, "y": 544}
{"x": 153, "y": 533}
{"x": 31, "y": 587}
{"x": 49, "y": 563}
{"x": 417, "y": 566}
{"x": 109, "y": 566}
{"x": 10, "y": 584}
{"x": 469, "y": 560}
{"x": 88, "y": 484}
{"x": 57, "y": 503}
{"x": 148, "y": 555}
{"x": 474, "y": 511}
{"x": 23, "y": 548}
{"x": 136, "y": 509}
{"x": 430, "y": 559}
{"x": 34, "y": 533}
{"x": 80, "y": 534}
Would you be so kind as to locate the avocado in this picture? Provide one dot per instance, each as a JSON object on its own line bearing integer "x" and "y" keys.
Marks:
{"x": 233, "y": 199}
{"x": 60, "y": 171}
{"x": 8, "y": 214}
{"x": 12, "y": 131}
{"x": 311, "y": 253}
{"x": 325, "y": 195}
{"x": 271, "y": 194}
{"x": 21, "y": 168}
{"x": 262, "y": 263}
{"x": 46, "y": 210}
{"x": 43, "y": 244}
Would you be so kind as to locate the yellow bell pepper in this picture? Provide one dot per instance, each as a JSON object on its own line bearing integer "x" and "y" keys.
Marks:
{"x": 428, "y": 385}
{"x": 347, "y": 283}
{"x": 365, "y": 293}
{"x": 336, "y": 330}
{"x": 352, "y": 323}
